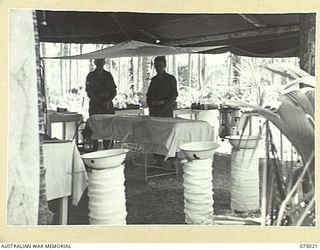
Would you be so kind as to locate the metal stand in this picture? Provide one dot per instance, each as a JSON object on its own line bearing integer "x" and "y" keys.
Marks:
{"x": 148, "y": 166}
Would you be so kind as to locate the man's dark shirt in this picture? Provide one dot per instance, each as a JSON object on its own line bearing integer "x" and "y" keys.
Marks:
{"x": 99, "y": 87}
{"x": 162, "y": 87}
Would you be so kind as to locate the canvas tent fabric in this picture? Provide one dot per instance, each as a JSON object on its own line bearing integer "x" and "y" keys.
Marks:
{"x": 136, "y": 48}
{"x": 267, "y": 35}
{"x": 270, "y": 49}
{"x": 23, "y": 136}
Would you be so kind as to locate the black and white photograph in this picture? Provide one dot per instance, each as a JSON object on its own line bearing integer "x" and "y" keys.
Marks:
{"x": 123, "y": 118}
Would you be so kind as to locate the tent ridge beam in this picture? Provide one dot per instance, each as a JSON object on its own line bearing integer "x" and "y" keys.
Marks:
{"x": 236, "y": 35}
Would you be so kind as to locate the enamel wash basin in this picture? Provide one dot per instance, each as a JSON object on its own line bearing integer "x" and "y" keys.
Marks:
{"x": 105, "y": 158}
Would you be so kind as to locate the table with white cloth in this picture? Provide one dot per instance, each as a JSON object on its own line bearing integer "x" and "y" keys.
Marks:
{"x": 65, "y": 174}
{"x": 161, "y": 135}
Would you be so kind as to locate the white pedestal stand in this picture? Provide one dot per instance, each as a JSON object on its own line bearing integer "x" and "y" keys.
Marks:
{"x": 198, "y": 194}
{"x": 107, "y": 201}
{"x": 244, "y": 180}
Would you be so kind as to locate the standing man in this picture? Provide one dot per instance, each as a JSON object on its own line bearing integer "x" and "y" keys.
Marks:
{"x": 101, "y": 90}
{"x": 162, "y": 91}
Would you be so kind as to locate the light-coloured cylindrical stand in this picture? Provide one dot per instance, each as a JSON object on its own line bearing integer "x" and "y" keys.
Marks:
{"x": 198, "y": 193}
{"x": 107, "y": 201}
{"x": 244, "y": 180}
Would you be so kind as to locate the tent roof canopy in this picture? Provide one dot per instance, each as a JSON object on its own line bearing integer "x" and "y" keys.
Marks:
{"x": 255, "y": 34}
{"x": 136, "y": 48}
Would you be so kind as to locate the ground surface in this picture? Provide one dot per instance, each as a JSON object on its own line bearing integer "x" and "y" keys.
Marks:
{"x": 159, "y": 200}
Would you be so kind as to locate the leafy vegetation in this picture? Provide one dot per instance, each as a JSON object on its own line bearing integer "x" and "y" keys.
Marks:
{"x": 291, "y": 190}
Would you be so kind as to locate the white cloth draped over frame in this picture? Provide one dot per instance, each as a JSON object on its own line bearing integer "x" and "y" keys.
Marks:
{"x": 66, "y": 174}
{"x": 162, "y": 135}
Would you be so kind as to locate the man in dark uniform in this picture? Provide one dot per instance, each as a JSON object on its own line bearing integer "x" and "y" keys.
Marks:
{"x": 161, "y": 96}
{"x": 162, "y": 92}
{"x": 101, "y": 90}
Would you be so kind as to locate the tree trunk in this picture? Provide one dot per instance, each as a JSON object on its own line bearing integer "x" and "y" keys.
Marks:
{"x": 70, "y": 70}
{"x": 145, "y": 81}
{"x": 119, "y": 72}
{"x": 168, "y": 67}
{"x": 203, "y": 67}
{"x": 65, "y": 81}
{"x": 108, "y": 62}
{"x": 230, "y": 78}
{"x": 273, "y": 75}
{"x": 77, "y": 66}
{"x": 189, "y": 70}
{"x": 61, "y": 70}
{"x": 307, "y": 43}
{"x": 283, "y": 79}
{"x": 138, "y": 72}
{"x": 134, "y": 72}
{"x": 174, "y": 66}
{"x": 199, "y": 72}
{"x": 131, "y": 72}
{"x": 236, "y": 61}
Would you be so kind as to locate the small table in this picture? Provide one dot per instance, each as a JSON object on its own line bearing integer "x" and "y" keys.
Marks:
{"x": 64, "y": 117}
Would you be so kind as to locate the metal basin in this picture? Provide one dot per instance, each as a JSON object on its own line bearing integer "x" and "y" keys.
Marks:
{"x": 244, "y": 141}
{"x": 199, "y": 150}
{"x": 105, "y": 158}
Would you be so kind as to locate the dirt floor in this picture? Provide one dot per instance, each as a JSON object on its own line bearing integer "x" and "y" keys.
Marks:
{"x": 158, "y": 200}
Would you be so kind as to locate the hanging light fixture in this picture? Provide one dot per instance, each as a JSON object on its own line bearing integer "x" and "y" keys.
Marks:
{"x": 44, "y": 22}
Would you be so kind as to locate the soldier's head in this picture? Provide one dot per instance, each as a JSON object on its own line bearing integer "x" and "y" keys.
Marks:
{"x": 160, "y": 64}
{"x": 99, "y": 64}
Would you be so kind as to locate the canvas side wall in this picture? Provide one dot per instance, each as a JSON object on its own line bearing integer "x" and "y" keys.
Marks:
{"x": 23, "y": 167}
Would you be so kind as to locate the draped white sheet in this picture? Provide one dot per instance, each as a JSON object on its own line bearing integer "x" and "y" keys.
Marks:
{"x": 162, "y": 135}
{"x": 65, "y": 171}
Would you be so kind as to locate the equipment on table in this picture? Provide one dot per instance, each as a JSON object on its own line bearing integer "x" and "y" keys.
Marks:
{"x": 229, "y": 117}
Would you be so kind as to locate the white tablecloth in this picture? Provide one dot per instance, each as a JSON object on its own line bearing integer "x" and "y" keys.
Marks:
{"x": 162, "y": 135}
{"x": 66, "y": 174}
